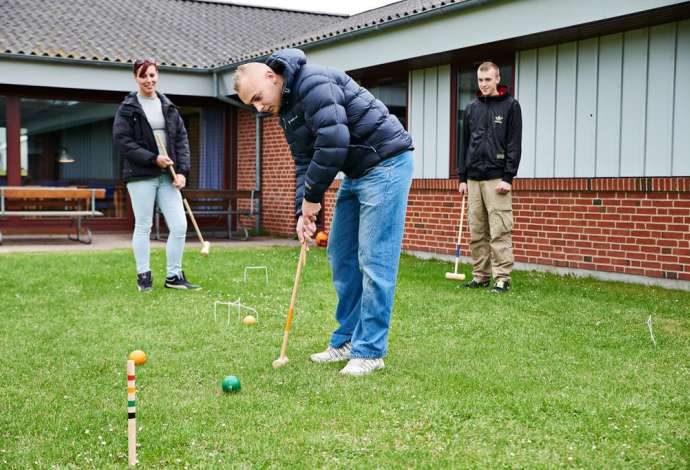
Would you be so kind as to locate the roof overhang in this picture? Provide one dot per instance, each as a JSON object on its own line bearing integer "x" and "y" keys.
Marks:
{"x": 102, "y": 76}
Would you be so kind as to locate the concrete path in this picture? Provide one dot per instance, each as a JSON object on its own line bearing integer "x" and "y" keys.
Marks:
{"x": 119, "y": 240}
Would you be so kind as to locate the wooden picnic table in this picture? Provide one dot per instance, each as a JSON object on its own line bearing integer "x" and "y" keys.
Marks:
{"x": 224, "y": 203}
{"x": 44, "y": 202}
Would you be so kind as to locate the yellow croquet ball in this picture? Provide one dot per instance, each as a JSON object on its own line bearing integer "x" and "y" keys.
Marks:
{"x": 249, "y": 320}
{"x": 139, "y": 357}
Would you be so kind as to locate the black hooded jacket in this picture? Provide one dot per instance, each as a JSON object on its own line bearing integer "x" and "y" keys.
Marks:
{"x": 331, "y": 124}
{"x": 491, "y": 138}
{"x": 134, "y": 140}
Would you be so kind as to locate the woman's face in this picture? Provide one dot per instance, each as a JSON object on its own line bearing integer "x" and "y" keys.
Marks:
{"x": 147, "y": 81}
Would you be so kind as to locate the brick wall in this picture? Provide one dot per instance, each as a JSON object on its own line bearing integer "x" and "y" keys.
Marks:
{"x": 637, "y": 226}
{"x": 277, "y": 172}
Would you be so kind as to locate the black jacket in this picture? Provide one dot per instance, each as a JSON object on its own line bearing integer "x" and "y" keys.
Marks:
{"x": 133, "y": 139}
{"x": 331, "y": 124}
{"x": 491, "y": 138}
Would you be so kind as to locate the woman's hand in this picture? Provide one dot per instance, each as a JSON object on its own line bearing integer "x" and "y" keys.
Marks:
{"x": 180, "y": 181}
{"x": 163, "y": 161}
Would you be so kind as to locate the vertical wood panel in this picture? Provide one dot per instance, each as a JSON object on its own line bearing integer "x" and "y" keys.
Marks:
{"x": 662, "y": 40}
{"x": 609, "y": 104}
{"x": 430, "y": 127}
{"x": 634, "y": 106}
{"x": 681, "y": 119}
{"x": 566, "y": 86}
{"x": 546, "y": 111}
{"x": 527, "y": 96}
{"x": 417, "y": 119}
{"x": 442, "y": 169}
{"x": 585, "y": 120}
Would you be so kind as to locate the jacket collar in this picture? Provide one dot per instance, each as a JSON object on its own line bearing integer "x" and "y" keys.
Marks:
{"x": 288, "y": 63}
{"x": 502, "y": 94}
{"x": 131, "y": 100}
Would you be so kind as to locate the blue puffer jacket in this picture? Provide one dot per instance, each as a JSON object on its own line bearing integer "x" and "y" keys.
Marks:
{"x": 331, "y": 124}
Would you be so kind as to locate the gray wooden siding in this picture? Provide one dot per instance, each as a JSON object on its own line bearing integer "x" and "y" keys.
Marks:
{"x": 429, "y": 121}
{"x": 607, "y": 106}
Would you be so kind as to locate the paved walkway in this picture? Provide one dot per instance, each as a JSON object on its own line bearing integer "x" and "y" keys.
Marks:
{"x": 119, "y": 240}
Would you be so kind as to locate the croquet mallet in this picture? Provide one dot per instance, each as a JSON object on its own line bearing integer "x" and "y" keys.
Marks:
{"x": 455, "y": 275}
{"x": 283, "y": 359}
{"x": 205, "y": 246}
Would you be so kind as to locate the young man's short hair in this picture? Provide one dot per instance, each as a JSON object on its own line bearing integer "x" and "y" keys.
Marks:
{"x": 238, "y": 77}
{"x": 486, "y": 66}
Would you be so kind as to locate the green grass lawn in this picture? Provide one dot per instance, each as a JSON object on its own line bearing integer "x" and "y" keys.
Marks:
{"x": 558, "y": 372}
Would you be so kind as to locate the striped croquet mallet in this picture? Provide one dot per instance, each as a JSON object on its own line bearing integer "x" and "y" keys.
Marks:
{"x": 131, "y": 414}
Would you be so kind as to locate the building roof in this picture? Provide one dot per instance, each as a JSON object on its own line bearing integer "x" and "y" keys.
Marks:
{"x": 370, "y": 20}
{"x": 181, "y": 33}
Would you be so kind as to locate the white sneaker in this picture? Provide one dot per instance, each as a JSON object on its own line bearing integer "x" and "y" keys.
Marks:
{"x": 332, "y": 354}
{"x": 357, "y": 367}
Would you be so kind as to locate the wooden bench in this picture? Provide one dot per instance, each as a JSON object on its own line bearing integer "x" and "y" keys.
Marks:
{"x": 226, "y": 203}
{"x": 41, "y": 202}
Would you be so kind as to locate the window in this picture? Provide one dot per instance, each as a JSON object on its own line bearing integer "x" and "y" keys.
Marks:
{"x": 69, "y": 143}
{"x": 3, "y": 140}
{"x": 392, "y": 92}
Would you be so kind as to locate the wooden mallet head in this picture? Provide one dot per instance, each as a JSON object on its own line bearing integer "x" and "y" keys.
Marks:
{"x": 206, "y": 248}
{"x": 280, "y": 362}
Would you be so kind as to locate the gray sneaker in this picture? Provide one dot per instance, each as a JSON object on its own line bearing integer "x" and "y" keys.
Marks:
{"x": 357, "y": 367}
{"x": 332, "y": 354}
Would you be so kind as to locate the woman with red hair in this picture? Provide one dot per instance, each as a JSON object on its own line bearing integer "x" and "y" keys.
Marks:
{"x": 144, "y": 119}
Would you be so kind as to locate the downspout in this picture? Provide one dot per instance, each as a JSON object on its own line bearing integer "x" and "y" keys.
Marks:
{"x": 259, "y": 149}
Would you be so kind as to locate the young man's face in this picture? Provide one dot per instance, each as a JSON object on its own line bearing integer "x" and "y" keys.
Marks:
{"x": 488, "y": 82}
{"x": 262, "y": 88}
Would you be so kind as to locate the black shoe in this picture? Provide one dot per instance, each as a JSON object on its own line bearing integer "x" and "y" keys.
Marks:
{"x": 180, "y": 282}
{"x": 474, "y": 284}
{"x": 501, "y": 287}
{"x": 145, "y": 282}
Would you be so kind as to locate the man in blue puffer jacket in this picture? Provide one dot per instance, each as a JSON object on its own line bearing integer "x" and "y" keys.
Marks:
{"x": 332, "y": 124}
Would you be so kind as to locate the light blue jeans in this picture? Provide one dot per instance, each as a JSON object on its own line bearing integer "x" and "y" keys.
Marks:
{"x": 364, "y": 253}
{"x": 143, "y": 194}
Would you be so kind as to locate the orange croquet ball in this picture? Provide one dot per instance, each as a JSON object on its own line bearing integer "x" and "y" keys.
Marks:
{"x": 139, "y": 357}
{"x": 249, "y": 320}
{"x": 322, "y": 238}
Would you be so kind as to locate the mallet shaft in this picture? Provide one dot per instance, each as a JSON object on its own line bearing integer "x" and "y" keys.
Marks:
{"x": 291, "y": 310}
{"x": 162, "y": 149}
{"x": 457, "y": 247}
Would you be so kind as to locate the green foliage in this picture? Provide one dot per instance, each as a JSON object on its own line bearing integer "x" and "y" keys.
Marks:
{"x": 558, "y": 372}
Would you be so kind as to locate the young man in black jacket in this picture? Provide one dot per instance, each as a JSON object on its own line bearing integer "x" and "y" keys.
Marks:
{"x": 491, "y": 148}
{"x": 332, "y": 124}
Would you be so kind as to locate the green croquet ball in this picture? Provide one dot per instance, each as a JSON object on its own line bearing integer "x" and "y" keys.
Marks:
{"x": 231, "y": 384}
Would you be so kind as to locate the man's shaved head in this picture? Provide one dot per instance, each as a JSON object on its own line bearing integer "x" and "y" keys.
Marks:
{"x": 258, "y": 85}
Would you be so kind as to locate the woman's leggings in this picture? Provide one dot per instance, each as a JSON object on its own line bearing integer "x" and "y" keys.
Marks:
{"x": 143, "y": 194}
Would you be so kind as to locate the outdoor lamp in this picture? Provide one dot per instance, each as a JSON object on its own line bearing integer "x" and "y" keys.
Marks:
{"x": 65, "y": 157}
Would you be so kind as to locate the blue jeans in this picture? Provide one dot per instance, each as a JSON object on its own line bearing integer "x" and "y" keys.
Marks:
{"x": 364, "y": 253}
{"x": 143, "y": 194}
